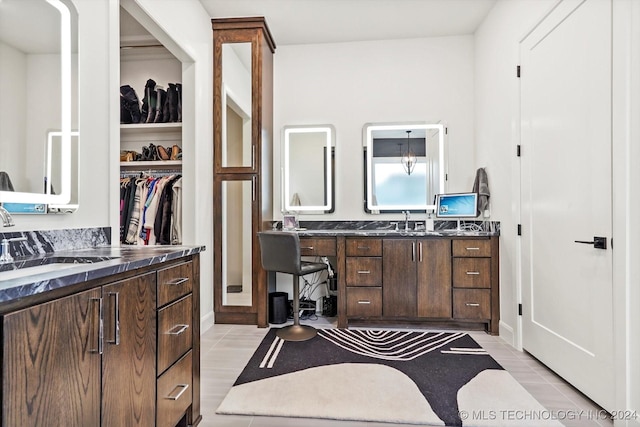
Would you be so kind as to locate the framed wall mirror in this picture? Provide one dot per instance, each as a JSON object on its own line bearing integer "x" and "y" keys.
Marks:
{"x": 308, "y": 176}
{"x": 38, "y": 77}
{"x": 237, "y": 150}
{"x": 405, "y": 166}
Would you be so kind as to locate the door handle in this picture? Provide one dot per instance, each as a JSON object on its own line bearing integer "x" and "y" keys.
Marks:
{"x": 598, "y": 242}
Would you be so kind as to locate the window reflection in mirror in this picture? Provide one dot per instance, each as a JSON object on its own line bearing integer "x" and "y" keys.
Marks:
{"x": 236, "y": 105}
{"x": 388, "y": 185}
{"x": 38, "y": 77}
{"x": 308, "y": 169}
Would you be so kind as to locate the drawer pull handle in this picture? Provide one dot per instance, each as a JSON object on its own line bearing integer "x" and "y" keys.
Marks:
{"x": 364, "y": 248}
{"x": 177, "y": 330}
{"x": 182, "y": 387}
{"x": 473, "y": 273}
{"x": 307, "y": 247}
{"x": 100, "y": 325}
{"x": 178, "y": 281}
{"x": 116, "y": 318}
{"x": 364, "y": 272}
{"x": 364, "y": 301}
{"x": 472, "y": 304}
{"x": 473, "y": 249}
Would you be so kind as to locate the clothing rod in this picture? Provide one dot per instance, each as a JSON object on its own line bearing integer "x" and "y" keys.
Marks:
{"x": 133, "y": 46}
{"x": 150, "y": 173}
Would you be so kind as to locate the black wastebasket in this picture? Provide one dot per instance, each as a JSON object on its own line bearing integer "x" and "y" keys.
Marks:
{"x": 278, "y": 307}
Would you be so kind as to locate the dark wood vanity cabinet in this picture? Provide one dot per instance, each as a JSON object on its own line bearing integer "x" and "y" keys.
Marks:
{"x": 447, "y": 280}
{"x": 99, "y": 357}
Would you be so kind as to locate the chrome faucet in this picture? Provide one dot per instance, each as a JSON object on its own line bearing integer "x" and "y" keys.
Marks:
{"x": 7, "y": 220}
{"x": 5, "y": 253}
{"x": 406, "y": 220}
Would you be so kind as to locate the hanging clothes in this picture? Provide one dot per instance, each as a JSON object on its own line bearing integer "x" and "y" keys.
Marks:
{"x": 150, "y": 209}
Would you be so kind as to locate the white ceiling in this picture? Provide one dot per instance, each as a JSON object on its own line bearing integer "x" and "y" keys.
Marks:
{"x": 334, "y": 21}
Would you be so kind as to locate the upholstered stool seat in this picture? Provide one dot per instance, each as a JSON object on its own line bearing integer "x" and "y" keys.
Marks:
{"x": 280, "y": 252}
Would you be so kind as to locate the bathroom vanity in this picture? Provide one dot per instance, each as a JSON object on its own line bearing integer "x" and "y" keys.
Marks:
{"x": 441, "y": 278}
{"x": 102, "y": 336}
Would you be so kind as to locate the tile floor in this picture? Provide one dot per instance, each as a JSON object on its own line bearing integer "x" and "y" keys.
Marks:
{"x": 227, "y": 348}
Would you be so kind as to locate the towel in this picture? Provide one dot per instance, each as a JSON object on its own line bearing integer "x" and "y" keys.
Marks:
{"x": 5, "y": 182}
{"x": 481, "y": 186}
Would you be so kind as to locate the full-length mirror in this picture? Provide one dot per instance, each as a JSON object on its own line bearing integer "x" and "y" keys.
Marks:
{"x": 237, "y": 149}
{"x": 308, "y": 176}
{"x": 237, "y": 272}
{"x": 405, "y": 166}
{"x": 38, "y": 79}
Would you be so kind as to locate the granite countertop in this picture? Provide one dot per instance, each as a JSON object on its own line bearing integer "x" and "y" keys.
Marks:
{"x": 387, "y": 229}
{"x": 71, "y": 267}
{"x": 303, "y": 232}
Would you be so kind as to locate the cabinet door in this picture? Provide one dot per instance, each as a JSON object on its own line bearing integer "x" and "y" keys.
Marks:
{"x": 434, "y": 278}
{"x": 129, "y": 359}
{"x": 399, "y": 278}
{"x": 51, "y": 363}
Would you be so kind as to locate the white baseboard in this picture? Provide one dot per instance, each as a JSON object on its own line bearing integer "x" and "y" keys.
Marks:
{"x": 506, "y": 333}
{"x": 206, "y": 322}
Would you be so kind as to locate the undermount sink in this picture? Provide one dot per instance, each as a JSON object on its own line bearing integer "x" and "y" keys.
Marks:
{"x": 33, "y": 270}
{"x": 47, "y": 265}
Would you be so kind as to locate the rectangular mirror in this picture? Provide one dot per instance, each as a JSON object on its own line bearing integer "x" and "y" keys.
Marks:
{"x": 309, "y": 153}
{"x": 237, "y": 233}
{"x": 237, "y": 146}
{"x": 38, "y": 62}
{"x": 405, "y": 166}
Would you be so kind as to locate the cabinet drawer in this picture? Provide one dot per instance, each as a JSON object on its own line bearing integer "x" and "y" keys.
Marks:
{"x": 174, "y": 332}
{"x": 325, "y": 246}
{"x": 174, "y": 282}
{"x": 471, "y": 303}
{"x": 174, "y": 392}
{"x": 472, "y": 248}
{"x": 472, "y": 272}
{"x": 364, "y": 247}
{"x": 364, "y": 302}
{"x": 364, "y": 271}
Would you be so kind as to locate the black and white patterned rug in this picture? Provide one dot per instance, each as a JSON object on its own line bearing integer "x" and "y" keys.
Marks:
{"x": 435, "y": 378}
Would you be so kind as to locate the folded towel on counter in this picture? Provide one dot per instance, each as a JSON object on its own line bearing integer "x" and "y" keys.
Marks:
{"x": 481, "y": 186}
{"x": 5, "y": 182}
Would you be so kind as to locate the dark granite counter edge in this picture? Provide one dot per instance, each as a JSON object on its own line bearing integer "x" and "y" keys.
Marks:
{"x": 121, "y": 260}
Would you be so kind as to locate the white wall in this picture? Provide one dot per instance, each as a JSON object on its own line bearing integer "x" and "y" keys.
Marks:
{"x": 94, "y": 96}
{"x": 186, "y": 29}
{"x": 350, "y": 84}
{"x": 496, "y": 135}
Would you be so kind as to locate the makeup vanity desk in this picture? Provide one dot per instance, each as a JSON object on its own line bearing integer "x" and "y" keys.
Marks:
{"x": 445, "y": 278}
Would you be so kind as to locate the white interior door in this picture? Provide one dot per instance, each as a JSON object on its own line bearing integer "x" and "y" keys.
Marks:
{"x": 566, "y": 195}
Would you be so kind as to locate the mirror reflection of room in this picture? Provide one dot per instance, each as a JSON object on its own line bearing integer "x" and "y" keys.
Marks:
{"x": 38, "y": 75}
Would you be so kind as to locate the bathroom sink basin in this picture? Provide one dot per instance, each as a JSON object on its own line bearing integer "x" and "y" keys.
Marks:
{"x": 31, "y": 267}
{"x": 33, "y": 270}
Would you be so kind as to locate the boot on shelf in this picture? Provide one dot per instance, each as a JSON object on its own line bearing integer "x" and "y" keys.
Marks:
{"x": 171, "y": 105}
{"x": 129, "y": 105}
{"x": 179, "y": 90}
{"x": 160, "y": 100}
{"x": 149, "y": 102}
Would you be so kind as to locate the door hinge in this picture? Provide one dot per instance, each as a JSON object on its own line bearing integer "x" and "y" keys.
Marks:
{"x": 518, "y": 71}
{"x": 446, "y": 131}
{"x": 446, "y": 177}
{"x": 518, "y": 150}
{"x": 519, "y": 229}
{"x": 519, "y": 309}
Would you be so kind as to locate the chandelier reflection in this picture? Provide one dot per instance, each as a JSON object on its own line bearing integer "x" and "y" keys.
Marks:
{"x": 408, "y": 158}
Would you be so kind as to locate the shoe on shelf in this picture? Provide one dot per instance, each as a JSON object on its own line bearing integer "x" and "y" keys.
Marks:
{"x": 176, "y": 152}
{"x": 162, "y": 153}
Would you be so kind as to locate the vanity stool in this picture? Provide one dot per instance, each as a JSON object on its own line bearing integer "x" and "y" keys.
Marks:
{"x": 280, "y": 252}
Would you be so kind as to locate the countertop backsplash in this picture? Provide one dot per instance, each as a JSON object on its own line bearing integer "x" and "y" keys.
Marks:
{"x": 47, "y": 241}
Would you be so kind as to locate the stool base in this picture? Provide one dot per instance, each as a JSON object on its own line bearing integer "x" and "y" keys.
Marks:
{"x": 297, "y": 333}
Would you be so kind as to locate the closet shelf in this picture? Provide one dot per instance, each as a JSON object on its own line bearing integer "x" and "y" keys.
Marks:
{"x": 155, "y": 163}
{"x": 155, "y": 127}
